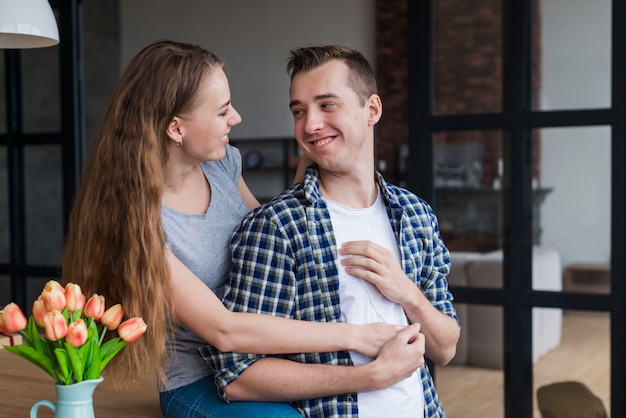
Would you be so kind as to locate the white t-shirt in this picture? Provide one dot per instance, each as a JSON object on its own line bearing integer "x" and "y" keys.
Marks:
{"x": 362, "y": 303}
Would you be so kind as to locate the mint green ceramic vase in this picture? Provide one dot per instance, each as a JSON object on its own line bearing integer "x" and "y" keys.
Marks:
{"x": 73, "y": 401}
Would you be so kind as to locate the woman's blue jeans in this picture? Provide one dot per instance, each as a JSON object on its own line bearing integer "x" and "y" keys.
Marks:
{"x": 200, "y": 400}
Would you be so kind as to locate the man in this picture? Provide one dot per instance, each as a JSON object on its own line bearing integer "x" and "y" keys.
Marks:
{"x": 340, "y": 246}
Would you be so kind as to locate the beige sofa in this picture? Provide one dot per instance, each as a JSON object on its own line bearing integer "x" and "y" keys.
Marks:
{"x": 481, "y": 342}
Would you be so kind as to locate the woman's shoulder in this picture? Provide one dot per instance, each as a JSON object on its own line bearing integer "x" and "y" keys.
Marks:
{"x": 230, "y": 163}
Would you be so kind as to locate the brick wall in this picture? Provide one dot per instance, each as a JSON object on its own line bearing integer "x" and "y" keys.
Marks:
{"x": 391, "y": 70}
{"x": 468, "y": 75}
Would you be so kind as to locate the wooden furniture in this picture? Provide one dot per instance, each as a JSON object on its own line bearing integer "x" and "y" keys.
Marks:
{"x": 268, "y": 164}
{"x": 22, "y": 384}
{"x": 587, "y": 278}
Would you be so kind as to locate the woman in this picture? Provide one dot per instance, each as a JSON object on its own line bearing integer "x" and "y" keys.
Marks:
{"x": 160, "y": 196}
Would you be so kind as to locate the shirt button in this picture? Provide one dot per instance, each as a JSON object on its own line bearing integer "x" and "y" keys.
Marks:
{"x": 349, "y": 398}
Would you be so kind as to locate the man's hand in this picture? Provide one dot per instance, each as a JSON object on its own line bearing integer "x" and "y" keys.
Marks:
{"x": 401, "y": 356}
{"x": 369, "y": 261}
{"x": 378, "y": 266}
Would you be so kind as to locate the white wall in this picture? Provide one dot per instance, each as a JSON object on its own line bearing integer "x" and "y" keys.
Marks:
{"x": 254, "y": 38}
{"x": 575, "y": 162}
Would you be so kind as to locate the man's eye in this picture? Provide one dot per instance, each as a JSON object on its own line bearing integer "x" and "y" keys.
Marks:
{"x": 297, "y": 112}
{"x": 327, "y": 105}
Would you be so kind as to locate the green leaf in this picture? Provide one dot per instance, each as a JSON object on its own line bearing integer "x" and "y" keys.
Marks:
{"x": 86, "y": 351}
{"x": 108, "y": 346}
{"x": 94, "y": 369}
{"x": 63, "y": 365}
{"x": 27, "y": 334}
{"x": 76, "y": 362}
{"x": 31, "y": 334}
{"x": 109, "y": 356}
{"x": 38, "y": 359}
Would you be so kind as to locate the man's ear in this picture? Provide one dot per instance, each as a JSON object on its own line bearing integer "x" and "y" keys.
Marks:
{"x": 375, "y": 108}
{"x": 174, "y": 131}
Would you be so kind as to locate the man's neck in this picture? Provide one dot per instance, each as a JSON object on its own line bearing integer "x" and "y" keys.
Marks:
{"x": 353, "y": 190}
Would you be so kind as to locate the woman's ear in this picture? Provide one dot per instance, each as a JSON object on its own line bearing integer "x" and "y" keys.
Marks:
{"x": 375, "y": 108}
{"x": 174, "y": 131}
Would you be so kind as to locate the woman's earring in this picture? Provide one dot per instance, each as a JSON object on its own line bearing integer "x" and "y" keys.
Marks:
{"x": 179, "y": 144}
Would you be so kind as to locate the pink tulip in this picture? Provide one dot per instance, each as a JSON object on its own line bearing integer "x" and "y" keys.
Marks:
{"x": 12, "y": 319}
{"x": 53, "y": 296}
{"x": 39, "y": 311}
{"x": 94, "y": 307}
{"x": 131, "y": 329}
{"x": 112, "y": 317}
{"x": 3, "y": 330}
{"x": 74, "y": 297}
{"x": 55, "y": 325}
{"x": 77, "y": 333}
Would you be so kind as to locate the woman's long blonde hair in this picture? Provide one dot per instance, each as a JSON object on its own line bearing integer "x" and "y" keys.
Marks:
{"x": 116, "y": 244}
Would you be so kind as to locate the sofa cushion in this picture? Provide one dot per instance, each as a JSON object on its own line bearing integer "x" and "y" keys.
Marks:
{"x": 458, "y": 277}
{"x": 481, "y": 342}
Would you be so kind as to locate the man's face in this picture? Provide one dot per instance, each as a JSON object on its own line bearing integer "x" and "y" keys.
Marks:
{"x": 330, "y": 124}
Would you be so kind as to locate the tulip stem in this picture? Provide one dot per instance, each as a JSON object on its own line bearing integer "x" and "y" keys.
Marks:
{"x": 104, "y": 331}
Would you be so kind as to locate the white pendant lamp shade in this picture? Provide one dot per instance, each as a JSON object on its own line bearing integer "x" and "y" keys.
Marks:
{"x": 27, "y": 24}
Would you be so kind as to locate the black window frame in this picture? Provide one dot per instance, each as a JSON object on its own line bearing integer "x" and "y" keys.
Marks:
{"x": 69, "y": 138}
{"x": 516, "y": 121}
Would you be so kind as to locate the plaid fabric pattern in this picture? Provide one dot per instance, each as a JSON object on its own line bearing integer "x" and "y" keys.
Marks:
{"x": 283, "y": 263}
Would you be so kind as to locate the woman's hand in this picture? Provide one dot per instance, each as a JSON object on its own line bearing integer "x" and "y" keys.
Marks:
{"x": 372, "y": 337}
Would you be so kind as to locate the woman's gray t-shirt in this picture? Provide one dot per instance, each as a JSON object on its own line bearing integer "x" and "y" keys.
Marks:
{"x": 201, "y": 243}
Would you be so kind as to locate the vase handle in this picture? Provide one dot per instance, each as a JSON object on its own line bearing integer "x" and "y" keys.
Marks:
{"x": 33, "y": 410}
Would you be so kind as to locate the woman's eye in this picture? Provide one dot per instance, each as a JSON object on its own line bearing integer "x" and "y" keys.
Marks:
{"x": 224, "y": 113}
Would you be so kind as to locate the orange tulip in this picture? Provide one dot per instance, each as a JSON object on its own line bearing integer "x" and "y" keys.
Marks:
{"x": 56, "y": 327}
{"x": 53, "y": 296}
{"x": 74, "y": 297}
{"x": 131, "y": 329}
{"x": 94, "y": 308}
{"x": 39, "y": 311}
{"x": 12, "y": 319}
{"x": 77, "y": 333}
{"x": 112, "y": 317}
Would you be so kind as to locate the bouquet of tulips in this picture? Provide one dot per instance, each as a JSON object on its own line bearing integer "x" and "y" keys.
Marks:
{"x": 65, "y": 334}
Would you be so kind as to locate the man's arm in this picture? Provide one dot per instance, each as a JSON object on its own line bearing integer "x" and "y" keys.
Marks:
{"x": 378, "y": 266}
{"x": 263, "y": 280}
{"x": 274, "y": 379}
{"x": 429, "y": 305}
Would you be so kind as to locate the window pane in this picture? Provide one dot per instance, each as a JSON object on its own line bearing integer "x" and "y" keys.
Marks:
{"x": 34, "y": 287}
{"x": 3, "y": 97}
{"x": 575, "y": 165}
{"x": 471, "y": 386}
{"x": 573, "y": 57}
{"x": 101, "y": 59}
{"x": 468, "y": 198}
{"x": 44, "y": 204}
{"x": 5, "y": 249}
{"x": 5, "y": 290}
{"x": 582, "y": 356}
{"x": 467, "y": 56}
{"x": 41, "y": 93}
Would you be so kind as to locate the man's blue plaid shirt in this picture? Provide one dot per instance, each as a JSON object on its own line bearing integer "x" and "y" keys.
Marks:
{"x": 283, "y": 264}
